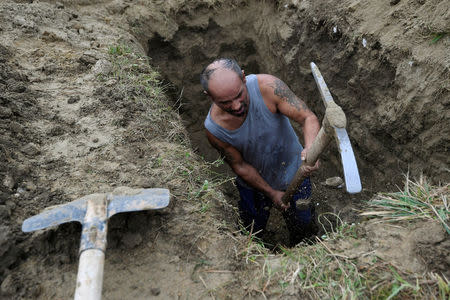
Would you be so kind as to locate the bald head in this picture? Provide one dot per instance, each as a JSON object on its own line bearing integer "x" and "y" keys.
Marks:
{"x": 225, "y": 84}
{"x": 214, "y": 70}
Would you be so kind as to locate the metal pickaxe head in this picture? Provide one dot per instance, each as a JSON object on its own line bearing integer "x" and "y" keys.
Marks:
{"x": 106, "y": 205}
{"x": 334, "y": 124}
{"x": 93, "y": 212}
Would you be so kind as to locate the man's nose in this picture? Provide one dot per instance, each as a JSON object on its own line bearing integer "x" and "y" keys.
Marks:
{"x": 236, "y": 104}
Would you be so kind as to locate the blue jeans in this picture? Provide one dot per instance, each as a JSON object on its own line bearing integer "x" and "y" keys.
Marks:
{"x": 254, "y": 207}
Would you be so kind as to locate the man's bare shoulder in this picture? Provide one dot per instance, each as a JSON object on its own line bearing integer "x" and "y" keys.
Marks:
{"x": 267, "y": 84}
{"x": 266, "y": 81}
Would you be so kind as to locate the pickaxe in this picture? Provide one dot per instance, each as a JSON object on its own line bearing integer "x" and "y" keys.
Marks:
{"x": 333, "y": 125}
{"x": 93, "y": 212}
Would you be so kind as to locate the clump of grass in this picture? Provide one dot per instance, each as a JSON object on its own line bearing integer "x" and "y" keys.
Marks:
{"x": 437, "y": 36}
{"x": 322, "y": 271}
{"x": 418, "y": 200}
{"x": 314, "y": 270}
{"x": 137, "y": 83}
{"x": 189, "y": 176}
{"x": 119, "y": 50}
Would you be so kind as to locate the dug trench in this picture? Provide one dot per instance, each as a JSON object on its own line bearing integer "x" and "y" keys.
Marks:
{"x": 364, "y": 78}
{"x": 181, "y": 73}
{"x": 76, "y": 124}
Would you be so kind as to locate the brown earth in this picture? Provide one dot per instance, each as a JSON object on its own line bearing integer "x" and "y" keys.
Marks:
{"x": 70, "y": 127}
{"x": 374, "y": 58}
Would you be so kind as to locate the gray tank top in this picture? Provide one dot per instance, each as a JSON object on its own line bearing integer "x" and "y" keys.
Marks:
{"x": 265, "y": 140}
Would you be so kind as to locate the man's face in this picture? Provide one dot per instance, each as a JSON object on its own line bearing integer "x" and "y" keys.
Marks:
{"x": 229, "y": 92}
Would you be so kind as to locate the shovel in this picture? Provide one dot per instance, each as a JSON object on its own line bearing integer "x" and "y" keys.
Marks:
{"x": 333, "y": 126}
{"x": 93, "y": 212}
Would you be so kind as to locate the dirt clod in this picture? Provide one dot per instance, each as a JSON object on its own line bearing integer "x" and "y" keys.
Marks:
{"x": 333, "y": 182}
{"x": 89, "y": 58}
{"x": 102, "y": 66}
{"x": 7, "y": 287}
{"x": 155, "y": 291}
{"x": 73, "y": 99}
{"x": 5, "y": 112}
{"x": 131, "y": 240}
{"x": 31, "y": 149}
{"x": 9, "y": 182}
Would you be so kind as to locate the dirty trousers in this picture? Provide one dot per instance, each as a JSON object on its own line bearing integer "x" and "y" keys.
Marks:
{"x": 254, "y": 207}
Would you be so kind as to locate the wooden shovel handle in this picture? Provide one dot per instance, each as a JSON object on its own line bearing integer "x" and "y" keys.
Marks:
{"x": 320, "y": 142}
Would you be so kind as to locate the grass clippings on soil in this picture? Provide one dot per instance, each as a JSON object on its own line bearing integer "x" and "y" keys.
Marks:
{"x": 321, "y": 270}
{"x": 418, "y": 200}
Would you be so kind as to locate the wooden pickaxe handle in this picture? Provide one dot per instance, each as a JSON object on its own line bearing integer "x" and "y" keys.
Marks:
{"x": 320, "y": 142}
{"x": 333, "y": 125}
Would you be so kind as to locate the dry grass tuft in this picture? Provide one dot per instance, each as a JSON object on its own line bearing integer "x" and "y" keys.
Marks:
{"x": 321, "y": 271}
{"x": 138, "y": 83}
{"x": 418, "y": 200}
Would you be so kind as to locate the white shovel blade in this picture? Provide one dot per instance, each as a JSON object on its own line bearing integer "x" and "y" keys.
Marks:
{"x": 351, "y": 174}
{"x": 155, "y": 198}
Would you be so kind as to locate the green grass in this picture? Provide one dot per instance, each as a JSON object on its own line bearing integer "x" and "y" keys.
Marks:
{"x": 313, "y": 269}
{"x": 437, "y": 36}
{"x": 418, "y": 200}
{"x": 119, "y": 50}
{"x": 322, "y": 271}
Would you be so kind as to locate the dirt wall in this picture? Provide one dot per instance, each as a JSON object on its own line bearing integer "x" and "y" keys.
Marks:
{"x": 382, "y": 67}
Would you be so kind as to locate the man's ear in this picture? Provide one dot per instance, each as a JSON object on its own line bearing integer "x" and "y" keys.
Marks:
{"x": 243, "y": 77}
{"x": 208, "y": 95}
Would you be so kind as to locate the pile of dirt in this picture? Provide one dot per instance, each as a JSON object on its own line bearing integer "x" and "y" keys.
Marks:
{"x": 82, "y": 111}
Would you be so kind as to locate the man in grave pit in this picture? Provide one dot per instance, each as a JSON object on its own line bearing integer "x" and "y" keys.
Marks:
{"x": 248, "y": 123}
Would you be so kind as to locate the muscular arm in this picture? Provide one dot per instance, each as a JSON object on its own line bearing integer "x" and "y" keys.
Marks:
{"x": 287, "y": 103}
{"x": 247, "y": 172}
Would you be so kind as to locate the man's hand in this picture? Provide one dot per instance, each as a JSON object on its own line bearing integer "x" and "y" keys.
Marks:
{"x": 276, "y": 198}
{"x": 308, "y": 170}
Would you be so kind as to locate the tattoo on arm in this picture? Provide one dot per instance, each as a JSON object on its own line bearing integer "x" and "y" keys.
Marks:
{"x": 285, "y": 93}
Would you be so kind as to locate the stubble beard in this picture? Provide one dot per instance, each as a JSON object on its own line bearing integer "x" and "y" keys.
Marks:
{"x": 243, "y": 113}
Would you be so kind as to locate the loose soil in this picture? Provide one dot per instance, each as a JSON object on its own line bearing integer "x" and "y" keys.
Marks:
{"x": 70, "y": 128}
